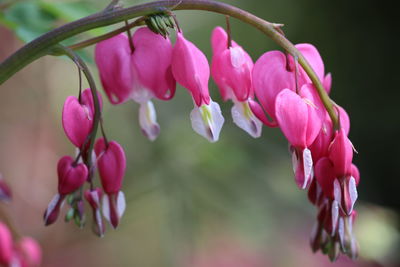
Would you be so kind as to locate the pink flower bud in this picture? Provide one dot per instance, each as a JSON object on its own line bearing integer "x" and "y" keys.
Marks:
{"x": 77, "y": 117}
{"x": 71, "y": 176}
{"x": 341, "y": 154}
{"x": 6, "y": 245}
{"x": 111, "y": 163}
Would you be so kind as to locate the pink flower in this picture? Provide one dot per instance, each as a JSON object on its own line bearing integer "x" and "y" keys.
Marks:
{"x": 77, "y": 117}
{"x": 71, "y": 176}
{"x": 190, "y": 68}
{"x": 139, "y": 75}
{"x": 111, "y": 163}
{"x": 231, "y": 69}
{"x": 6, "y": 245}
{"x": 300, "y": 119}
{"x": 274, "y": 71}
{"x": 341, "y": 153}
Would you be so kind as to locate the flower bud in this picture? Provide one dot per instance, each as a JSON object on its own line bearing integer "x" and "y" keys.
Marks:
{"x": 6, "y": 245}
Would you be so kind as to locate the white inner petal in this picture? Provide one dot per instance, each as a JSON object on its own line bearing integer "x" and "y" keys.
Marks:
{"x": 207, "y": 120}
{"x": 244, "y": 118}
{"x": 121, "y": 204}
{"x": 352, "y": 191}
{"x": 106, "y": 208}
{"x": 148, "y": 120}
{"x": 335, "y": 215}
{"x": 308, "y": 167}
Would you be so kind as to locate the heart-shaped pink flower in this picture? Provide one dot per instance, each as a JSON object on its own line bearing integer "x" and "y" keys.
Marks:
{"x": 71, "y": 176}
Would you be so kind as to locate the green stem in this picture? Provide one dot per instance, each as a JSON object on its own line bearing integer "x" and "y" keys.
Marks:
{"x": 59, "y": 49}
{"x": 40, "y": 46}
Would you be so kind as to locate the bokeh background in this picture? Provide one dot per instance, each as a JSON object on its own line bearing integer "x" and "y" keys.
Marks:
{"x": 191, "y": 203}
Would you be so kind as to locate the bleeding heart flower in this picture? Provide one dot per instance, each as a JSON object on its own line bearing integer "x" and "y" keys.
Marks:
{"x": 231, "y": 69}
{"x": 300, "y": 119}
{"x": 71, "y": 176}
{"x": 274, "y": 71}
{"x": 77, "y": 117}
{"x": 190, "y": 68}
{"x": 111, "y": 163}
{"x": 139, "y": 75}
{"x": 341, "y": 154}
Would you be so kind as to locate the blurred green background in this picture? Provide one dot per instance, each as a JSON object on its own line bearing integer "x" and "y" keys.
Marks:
{"x": 192, "y": 203}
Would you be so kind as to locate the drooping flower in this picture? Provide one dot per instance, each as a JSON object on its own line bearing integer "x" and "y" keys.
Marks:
{"x": 111, "y": 163}
{"x": 190, "y": 68}
{"x": 71, "y": 176}
{"x": 300, "y": 118}
{"x": 275, "y": 71}
{"x": 77, "y": 117}
{"x": 231, "y": 69}
{"x": 139, "y": 75}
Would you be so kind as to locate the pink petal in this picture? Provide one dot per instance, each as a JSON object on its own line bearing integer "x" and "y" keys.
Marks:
{"x": 152, "y": 60}
{"x": 314, "y": 58}
{"x": 77, "y": 120}
{"x": 292, "y": 117}
{"x": 355, "y": 173}
{"x": 325, "y": 176}
{"x": 31, "y": 251}
{"x": 111, "y": 163}
{"x": 319, "y": 147}
{"x": 87, "y": 100}
{"x": 327, "y": 83}
{"x": 316, "y": 112}
{"x": 341, "y": 154}
{"x": 53, "y": 209}
{"x": 113, "y": 59}
{"x": 259, "y": 113}
{"x": 270, "y": 77}
{"x": 190, "y": 68}
{"x": 231, "y": 69}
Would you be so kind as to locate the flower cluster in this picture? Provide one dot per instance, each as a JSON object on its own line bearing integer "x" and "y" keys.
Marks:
{"x": 322, "y": 153}
{"x": 147, "y": 66}
{"x": 108, "y": 157}
{"x": 24, "y": 252}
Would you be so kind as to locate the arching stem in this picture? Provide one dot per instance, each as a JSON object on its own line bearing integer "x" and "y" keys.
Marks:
{"x": 40, "y": 46}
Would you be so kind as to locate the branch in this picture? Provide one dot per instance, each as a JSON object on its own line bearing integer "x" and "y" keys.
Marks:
{"x": 40, "y": 46}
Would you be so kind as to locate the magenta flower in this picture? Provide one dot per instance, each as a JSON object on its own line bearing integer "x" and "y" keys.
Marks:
{"x": 93, "y": 197}
{"x": 6, "y": 245}
{"x": 274, "y": 71}
{"x": 77, "y": 117}
{"x": 190, "y": 68}
{"x": 300, "y": 119}
{"x": 71, "y": 176}
{"x": 140, "y": 75}
{"x": 111, "y": 163}
{"x": 231, "y": 69}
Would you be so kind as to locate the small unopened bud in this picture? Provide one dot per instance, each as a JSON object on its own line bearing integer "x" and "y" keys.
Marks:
{"x": 53, "y": 209}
